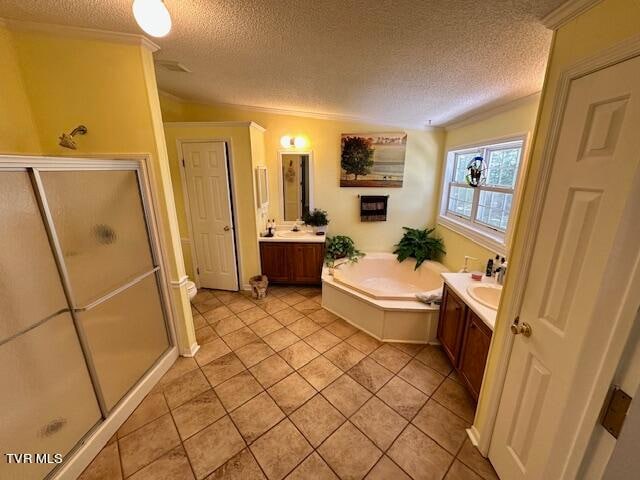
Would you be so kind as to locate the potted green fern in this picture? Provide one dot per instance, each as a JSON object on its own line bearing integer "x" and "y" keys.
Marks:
{"x": 420, "y": 244}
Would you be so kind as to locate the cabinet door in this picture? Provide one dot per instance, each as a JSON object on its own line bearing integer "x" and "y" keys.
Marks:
{"x": 307, "y": 262}
{"x": 451, "y": 324}
{"x": 475, "y": 349}
{"x": 275, "y": 258}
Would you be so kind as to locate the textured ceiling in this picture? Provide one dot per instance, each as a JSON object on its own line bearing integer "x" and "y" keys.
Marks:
{"x": 399, "y": 62}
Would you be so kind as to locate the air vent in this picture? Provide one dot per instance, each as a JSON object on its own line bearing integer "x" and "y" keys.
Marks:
{"x": 173, "y": 66}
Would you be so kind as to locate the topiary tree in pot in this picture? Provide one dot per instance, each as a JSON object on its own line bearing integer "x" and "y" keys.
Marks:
{"x": 318, "y": 220}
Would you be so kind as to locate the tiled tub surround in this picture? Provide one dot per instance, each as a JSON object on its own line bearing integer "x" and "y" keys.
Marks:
{"x": 284, "y": 389}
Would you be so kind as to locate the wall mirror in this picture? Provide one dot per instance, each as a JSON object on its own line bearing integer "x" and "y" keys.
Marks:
{"x": 296, "y": 184}
{"x": 262, "y": 189}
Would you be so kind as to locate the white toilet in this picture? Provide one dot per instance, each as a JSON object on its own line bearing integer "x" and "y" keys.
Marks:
{"x": 191, "y": 289}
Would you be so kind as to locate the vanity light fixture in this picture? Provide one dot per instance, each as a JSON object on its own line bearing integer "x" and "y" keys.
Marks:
{"x": 152, "y": 16}
{"x": 286, "y": 141}
{"x": 298, "y": 142}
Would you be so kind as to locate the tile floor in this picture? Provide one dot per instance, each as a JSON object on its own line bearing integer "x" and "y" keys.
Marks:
{"x": 282, "y": 388}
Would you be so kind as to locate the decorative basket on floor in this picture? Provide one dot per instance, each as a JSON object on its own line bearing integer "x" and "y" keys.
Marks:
{"x": 259, "y": 285}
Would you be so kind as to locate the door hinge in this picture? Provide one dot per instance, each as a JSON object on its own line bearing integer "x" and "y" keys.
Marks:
{"x": 183, "y": 164}
{"x": 614, "y": 411}
{"x": 198, "y": 270}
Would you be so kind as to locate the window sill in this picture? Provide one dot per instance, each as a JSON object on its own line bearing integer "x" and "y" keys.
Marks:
{"x": 495, "y": 243}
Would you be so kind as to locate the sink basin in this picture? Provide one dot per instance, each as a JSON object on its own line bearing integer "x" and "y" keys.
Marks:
{"x": 292, "y": 234}
{"x": 487, "y": 295}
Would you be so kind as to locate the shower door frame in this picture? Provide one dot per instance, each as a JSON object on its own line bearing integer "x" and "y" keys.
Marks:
{"x": 90, "y": 444}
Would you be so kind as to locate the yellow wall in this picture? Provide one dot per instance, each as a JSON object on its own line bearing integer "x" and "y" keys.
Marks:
{"x": 413, "y": 205}
{"x": 18, "y": 132}
{"x": 518, "y": 120}
{"x": 52, "y": 82}
{"x": 242, "y": 141}
{"x": 606, "y": 24}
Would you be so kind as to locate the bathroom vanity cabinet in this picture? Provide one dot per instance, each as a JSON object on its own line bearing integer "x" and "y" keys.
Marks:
{"x": 465, "y": 339}
{"x": 296, "y": 263}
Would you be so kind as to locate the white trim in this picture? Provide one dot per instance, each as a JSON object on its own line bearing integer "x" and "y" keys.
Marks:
{"x": 171, "y": 96}
{"x": 618, "y": 53}
{"x": 102, "y": 433}
{"x": 497, "y": 242}
{"x": 214, "y": 124}
{"x": 285, "y": 151}
{"x": 567, "y": 12}
{"x": 192, "y": 350}
{"x": 181, "y": 282}
{"x": 474, "y": 435}
{"x": 82, "y": 32}
{"x": 496, "y": 245}
{"x": 232, "y": 194}
{"x": 304, "y": 114}
{"x": 489, "y": 111}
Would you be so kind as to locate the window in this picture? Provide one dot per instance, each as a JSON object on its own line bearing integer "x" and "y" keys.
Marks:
{"x": 482, "y": 212}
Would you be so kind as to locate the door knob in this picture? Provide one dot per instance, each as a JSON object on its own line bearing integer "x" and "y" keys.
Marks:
{"x": 226, "y": 229}
{"x": 520, "y": 328}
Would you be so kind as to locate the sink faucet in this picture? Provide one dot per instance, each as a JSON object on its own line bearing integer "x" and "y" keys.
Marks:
{"x": 296, "y": 227}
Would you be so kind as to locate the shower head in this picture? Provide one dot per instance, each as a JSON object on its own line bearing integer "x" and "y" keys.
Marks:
{"x": 66, "y": 139}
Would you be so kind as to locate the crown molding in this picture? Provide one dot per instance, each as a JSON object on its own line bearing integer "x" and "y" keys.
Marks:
{"x": 490, "y": 111}
{"x": 567, "y": 12}
{"x": 171, "y": 96}
{"x": 215, "y": 124}
{"x": 298, "y": 113}
{"x": 91, "y": 33}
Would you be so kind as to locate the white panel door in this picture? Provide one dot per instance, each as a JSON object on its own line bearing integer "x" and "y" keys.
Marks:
{"x": 211, "y": 219}
{"x": 572, "y": 297}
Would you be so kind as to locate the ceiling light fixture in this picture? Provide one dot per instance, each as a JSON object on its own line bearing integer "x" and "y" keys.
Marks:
{"x": 152, "y": 17}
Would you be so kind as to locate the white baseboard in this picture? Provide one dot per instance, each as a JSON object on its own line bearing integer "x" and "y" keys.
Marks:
{"x": 474, "y": 435}
{"x": 97, "y": 439}
{"x": 192, "y": 351}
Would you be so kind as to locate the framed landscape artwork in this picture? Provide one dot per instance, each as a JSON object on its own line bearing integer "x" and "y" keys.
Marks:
{"x": 372, "y": 159}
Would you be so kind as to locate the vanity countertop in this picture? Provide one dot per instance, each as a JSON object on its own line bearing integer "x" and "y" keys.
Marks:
{"x": 303, "y": 236}
{"x": 459, "y": 282}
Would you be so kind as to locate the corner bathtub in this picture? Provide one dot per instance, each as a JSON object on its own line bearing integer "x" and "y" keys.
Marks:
{"x": 377, "y": 295}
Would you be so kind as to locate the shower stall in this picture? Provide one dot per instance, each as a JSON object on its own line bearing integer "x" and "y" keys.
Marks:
{"x": 83, "y": 308}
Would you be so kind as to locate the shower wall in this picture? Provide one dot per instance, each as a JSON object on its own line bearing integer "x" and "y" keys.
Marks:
{"x": 82, "y": 316}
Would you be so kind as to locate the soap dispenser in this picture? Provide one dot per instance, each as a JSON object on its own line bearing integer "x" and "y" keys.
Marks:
{"x": 489, "y": 271}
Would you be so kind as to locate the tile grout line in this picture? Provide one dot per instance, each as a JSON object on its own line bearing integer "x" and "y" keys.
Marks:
{"x": 394, "y": 374}
{"x": 287, "y": 416}
{"x": 186, "y": 454}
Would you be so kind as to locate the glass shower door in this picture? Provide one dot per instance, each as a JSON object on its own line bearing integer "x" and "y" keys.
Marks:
{"x": 99, "y": 222}
{"x": 47, "y": 400}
